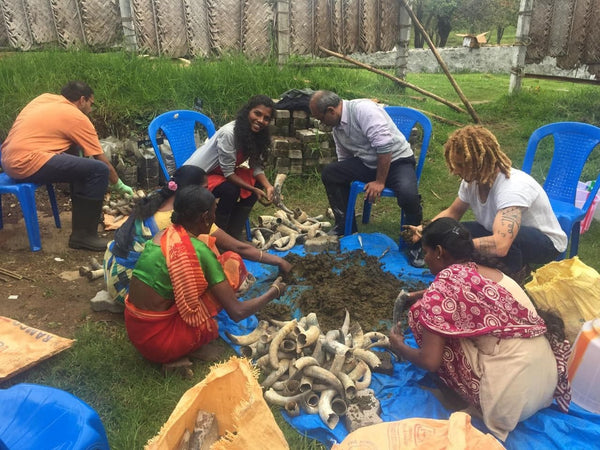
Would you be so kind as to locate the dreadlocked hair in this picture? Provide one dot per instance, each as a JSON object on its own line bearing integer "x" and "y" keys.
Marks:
{"x": 475, "y": 152}
{"x": 254, "y": 146}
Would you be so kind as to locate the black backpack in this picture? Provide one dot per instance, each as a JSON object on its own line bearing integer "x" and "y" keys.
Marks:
{"x": 295, "y": 100}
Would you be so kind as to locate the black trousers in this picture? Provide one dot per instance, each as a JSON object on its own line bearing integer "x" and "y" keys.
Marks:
{"x": 531, "y": 246}
{"x": 402, "y": 179}
{"x": 88, "y": 176}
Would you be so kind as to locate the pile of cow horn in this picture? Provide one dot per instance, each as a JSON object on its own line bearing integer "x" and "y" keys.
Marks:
{"x": 121, "y": 206}
{"x": 286, "y": 227}
{"x": 306, "y": 369}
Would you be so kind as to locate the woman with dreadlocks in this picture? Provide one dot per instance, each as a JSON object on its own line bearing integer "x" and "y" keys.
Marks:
{"x": 514, "y": 220}
{"x": 233, "y": 158}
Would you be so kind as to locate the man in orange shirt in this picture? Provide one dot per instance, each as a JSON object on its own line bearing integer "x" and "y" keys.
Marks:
{"x": 43, "y": 147}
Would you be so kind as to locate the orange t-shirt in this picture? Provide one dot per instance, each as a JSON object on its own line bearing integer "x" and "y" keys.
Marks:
{"x": 48, "y": 125}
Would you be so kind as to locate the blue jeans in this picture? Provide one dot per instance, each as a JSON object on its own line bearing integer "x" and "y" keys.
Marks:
{"x": 402, "y": 179}
{"x": 530, "y": 246}
{"x": 88, "y": 177}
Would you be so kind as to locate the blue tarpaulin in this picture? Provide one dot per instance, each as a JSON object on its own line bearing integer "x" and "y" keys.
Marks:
{"x": 400, "y": 394}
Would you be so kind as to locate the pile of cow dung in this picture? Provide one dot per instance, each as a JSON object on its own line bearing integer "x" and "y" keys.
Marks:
{"x": 329, "y": 283}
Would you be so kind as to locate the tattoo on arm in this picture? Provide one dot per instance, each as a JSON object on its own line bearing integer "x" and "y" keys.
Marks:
{"x": 505, "y": 229}
{"x": 485, "y": 245}
{"x": 510, "y": 221}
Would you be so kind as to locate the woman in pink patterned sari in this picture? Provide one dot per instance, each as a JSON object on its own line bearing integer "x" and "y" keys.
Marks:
{"x": 478, "y": 330}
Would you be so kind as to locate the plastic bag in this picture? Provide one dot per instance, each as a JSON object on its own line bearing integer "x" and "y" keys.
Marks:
{"x": 569, "y": 287}
{"x": 231, "y": 392}
{"x": 420, "y": 433}
{"x": 22, "y": 346}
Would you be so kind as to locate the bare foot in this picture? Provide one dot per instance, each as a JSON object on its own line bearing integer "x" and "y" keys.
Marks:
{"x": 181, "y": 367}
{"x": 210, "y": 352}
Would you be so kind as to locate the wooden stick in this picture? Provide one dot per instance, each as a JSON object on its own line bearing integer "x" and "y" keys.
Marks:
{"x": 435, "y": 195}
{"x": 440, "y": 118}
{"x": 435, "y": 116}
{"x": 395, "y": 79}
{"x": 14, "y": 275}
{"x": 11, "y": 274}
{"x": 441, "y": 61}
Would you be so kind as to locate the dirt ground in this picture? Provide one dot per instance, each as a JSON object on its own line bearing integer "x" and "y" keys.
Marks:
{"x": 352, "y": 281}
{"x": 51, "y": 295}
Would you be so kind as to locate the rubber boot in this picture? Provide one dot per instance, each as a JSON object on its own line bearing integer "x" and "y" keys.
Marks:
{"x": 337, "y": 202}
{"x": 237, "y": 222}
{"x": 84, "y": 231}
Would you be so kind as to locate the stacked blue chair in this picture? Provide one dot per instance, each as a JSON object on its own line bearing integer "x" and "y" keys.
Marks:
{"x": 405, "y": 119}
{"x": 573, "y": 144}
{"x": 35, "y": 416}
{"x": 25, "y": 193}
{"x": 178, "y": 127}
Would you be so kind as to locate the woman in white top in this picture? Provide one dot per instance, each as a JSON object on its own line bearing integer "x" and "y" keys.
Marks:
{"x": 514, "y": 221}
{"x": 234, "y": 159}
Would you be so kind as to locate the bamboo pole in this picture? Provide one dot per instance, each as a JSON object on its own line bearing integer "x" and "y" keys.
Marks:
{"x": 440, "y": 118}
{"x": 432, "y": 115}
{"x": 441, "y": 61}
{"x": 393, "y": 78}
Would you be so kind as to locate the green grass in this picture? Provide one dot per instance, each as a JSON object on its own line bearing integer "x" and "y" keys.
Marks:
{"x": 130, "y": 394}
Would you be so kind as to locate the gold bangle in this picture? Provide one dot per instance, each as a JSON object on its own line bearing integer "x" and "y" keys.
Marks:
{"x": 278, "y": 290}
{"x": 260, "y": 256}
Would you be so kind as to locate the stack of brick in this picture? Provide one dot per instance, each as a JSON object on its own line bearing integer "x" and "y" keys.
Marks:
{"x": 300, "y": 144}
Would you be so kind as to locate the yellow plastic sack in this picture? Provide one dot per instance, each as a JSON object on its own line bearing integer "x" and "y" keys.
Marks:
{"x": 570, "y": 287}
{"x": 22, "y": 346}
{"x": 231, "y": 392}
{"x": 456, "y": 433}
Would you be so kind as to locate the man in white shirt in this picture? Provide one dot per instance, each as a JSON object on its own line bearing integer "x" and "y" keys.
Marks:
{"x": 371, "y": 149}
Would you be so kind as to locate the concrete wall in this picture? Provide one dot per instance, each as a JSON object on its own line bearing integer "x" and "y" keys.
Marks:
{"x": 492, "y": 59}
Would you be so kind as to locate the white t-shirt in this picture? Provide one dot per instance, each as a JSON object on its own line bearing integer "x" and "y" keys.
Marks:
{"x": 219, "y": 151}
{"x": 518, "y": 190}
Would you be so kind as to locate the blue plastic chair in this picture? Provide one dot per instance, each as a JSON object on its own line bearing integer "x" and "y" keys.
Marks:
{"x": 25, "y": 193}
{"x": 405, "y": 119}
{"x": 573, "y": 143}
{"x": 35, "y": 416}
{"x": 178, "y": 127}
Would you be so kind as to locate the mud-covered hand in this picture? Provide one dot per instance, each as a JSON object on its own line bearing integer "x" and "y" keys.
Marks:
{"x": 262, "y": 196}
{"x": 415, "y": 232}
{"x": 270, "y": 191}
{"x": 122, "y": 188}
{"x": 279, "y": 286}
{"x": 284, "y": 266}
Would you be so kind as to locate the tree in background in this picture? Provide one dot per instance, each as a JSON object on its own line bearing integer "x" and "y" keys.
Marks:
{"x": 477, "y": 16}
{"x": 506, "y": 14}
{"x": 439, "y": 17}
{"x": 436, "y": 18}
